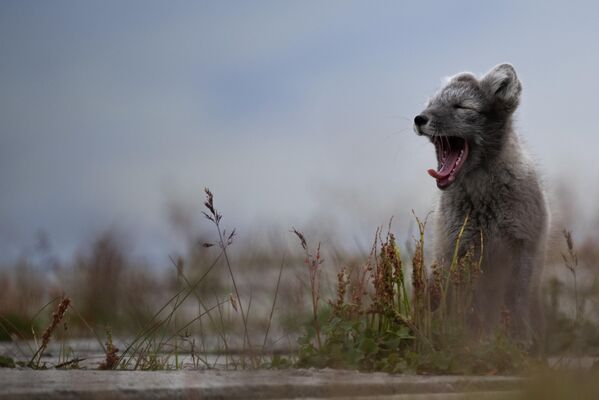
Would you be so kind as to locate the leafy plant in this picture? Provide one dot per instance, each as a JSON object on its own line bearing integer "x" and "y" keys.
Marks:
{"x": 379, "y": 322}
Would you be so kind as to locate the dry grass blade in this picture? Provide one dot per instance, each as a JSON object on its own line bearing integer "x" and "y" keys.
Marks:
{"x": 274, "y": 302}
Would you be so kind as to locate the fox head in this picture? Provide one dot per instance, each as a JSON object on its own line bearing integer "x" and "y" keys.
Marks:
{"x": 467, "y": 121}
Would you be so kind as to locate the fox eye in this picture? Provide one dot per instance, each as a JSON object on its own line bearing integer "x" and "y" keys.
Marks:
{"x": 461, "y": 106}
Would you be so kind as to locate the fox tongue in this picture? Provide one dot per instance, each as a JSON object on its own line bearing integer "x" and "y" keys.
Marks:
{"x": 448, "y": 165}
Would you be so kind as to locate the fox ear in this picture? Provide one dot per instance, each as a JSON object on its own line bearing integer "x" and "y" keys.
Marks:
{"x": 503, "y": 85}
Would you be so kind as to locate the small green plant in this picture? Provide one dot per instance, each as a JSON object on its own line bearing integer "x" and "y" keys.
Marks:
{"x": 379, "y": 322}
{"x": 7, "y": 362}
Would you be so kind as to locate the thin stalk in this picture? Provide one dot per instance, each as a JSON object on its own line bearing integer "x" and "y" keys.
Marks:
{"x": 224, "y": 249}
{"x": 228, "y": 354}
{"x": 155, "y": 325}
{"x": 202, "y": 305}
{"x": 178, "y": 331}
{"x": 272, "y": 310}
{"x": 16, "y": 331}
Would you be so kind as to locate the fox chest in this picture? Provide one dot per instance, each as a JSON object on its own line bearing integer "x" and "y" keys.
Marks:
{"x": 482, "y": 219}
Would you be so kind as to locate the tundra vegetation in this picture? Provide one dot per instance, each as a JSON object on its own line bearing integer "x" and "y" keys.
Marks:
{"x": 391, "y": 309}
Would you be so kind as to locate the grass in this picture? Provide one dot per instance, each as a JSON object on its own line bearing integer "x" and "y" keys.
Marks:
{"x": 386, "y": 311}
{"x": 163, "y": 339}
{"x": 379, "y": 322}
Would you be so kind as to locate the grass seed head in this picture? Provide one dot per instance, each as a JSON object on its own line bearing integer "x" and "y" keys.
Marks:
{"x": 57, "y": 316}
{"x": 342, "y": 283}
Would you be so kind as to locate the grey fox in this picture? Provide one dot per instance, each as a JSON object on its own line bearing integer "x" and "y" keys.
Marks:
{"x": 484, "y": 173}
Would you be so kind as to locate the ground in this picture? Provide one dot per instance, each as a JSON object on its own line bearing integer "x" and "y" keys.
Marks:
{"x": 261, "y": 384}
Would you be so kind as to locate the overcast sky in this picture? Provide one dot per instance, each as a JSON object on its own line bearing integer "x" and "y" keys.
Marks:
{"x": 293, "y": 113}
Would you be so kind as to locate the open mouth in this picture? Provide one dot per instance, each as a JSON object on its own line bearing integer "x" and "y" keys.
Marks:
{"x": 452, "y": 152}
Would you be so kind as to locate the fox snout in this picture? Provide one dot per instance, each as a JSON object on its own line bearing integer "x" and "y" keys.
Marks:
{"x": 419, "y": 122}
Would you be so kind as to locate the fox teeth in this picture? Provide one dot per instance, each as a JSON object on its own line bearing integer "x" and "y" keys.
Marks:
{"x": 459, "y": 158}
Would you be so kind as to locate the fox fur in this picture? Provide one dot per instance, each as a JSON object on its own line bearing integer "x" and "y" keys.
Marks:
{"x": 499, "y": 189}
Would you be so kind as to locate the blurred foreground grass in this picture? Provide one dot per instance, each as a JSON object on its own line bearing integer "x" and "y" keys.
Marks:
{"x": 238, "y": 305}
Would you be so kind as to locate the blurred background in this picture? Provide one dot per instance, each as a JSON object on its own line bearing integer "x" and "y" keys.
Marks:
{"x": 115, "y": 115}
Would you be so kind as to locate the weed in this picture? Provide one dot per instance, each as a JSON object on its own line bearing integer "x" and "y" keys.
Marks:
{"x": 57, "y": 316}
{"x": 425, "y": 331}
{"x": 111, "y": 361}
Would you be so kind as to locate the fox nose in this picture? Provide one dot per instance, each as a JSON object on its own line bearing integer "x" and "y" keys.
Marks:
{"x": 420, "y": 120}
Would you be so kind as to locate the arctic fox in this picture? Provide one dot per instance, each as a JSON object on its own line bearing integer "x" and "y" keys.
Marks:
{"x": 485, "y": 174}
